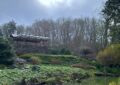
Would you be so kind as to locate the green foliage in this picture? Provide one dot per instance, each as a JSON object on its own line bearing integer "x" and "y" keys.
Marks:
{"x": 110, "y": 7}
{"x": 65, "y": 51}
{"x": 113, "y": 70}
{"x": 110, "y": 55}
{"x": 111, "y": 13}
{"x": 35, "y": 60}
{"x": 47, "y": 73}
{"x": 6, "y": 52}
{"x": 59, "y": 59}
{"x": 2, "y": 66}
{"x": 52, "y": 59}
{"x": 54, "y": 51}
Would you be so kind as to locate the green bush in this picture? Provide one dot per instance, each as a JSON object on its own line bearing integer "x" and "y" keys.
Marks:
{"x": 114, "y": 70}
{"x": 35, "y": 60}
{"x": 6, "y": 52}
{"x": 65, "y": 51}
{"x": 110, "y": 56}
{"x": 54, "y": 51}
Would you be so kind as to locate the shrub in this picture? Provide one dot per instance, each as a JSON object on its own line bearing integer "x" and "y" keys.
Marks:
{"x": 110, "y": 56}
{"x": 88, "y": 53}
{"x": 65, "y": 51}
{"x": 114, "y": 70}
{"x": 79, "y": 76}
{"x": 84, "y": 51}
{"x": 54, "y": 51}
{"x": 6, "y": 52}
{"x": 35, "y": 60}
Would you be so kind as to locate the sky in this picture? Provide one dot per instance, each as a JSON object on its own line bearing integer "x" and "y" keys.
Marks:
{"x": 27, "y": 11}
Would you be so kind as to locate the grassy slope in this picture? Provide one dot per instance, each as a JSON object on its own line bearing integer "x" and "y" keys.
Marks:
{"x": 48, "y": 69}
{"x": 61, "y": 59}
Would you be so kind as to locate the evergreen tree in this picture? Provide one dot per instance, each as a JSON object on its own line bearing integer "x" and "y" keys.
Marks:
{"x": 111, "y": 14}
{"x": 6, "y": 53}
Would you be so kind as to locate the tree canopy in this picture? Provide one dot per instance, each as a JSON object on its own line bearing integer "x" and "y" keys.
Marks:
{"x": 8, "y": 28}
{"x": 111, "y": 14}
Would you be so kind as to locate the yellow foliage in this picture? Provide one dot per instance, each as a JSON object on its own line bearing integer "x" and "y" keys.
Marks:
{"x": 113, "y": 83}
{"x": 110, "y": 55}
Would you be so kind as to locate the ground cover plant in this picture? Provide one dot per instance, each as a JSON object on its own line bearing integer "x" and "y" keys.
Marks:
{"x": 44, "y": 73}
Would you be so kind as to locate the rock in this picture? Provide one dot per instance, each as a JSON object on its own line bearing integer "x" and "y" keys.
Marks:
{"x": 20, "y": 60}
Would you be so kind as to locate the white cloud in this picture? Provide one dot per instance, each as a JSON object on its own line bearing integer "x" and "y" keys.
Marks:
{"x": 50, "y": 3}
{"x": 26, "y": 11}
{"x": 56, "y": 3}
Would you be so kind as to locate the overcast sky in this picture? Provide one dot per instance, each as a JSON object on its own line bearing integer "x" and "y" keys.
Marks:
{"x": 26, "y": 11}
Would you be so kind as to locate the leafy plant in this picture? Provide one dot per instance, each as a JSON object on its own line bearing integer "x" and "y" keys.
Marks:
{"x": 110, "y": 56}
{"x": 6, "y": 52}
{"x": 48, "y": 73}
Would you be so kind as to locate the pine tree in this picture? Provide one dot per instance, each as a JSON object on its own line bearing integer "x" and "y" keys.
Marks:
{"x": 111, "y": 14}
